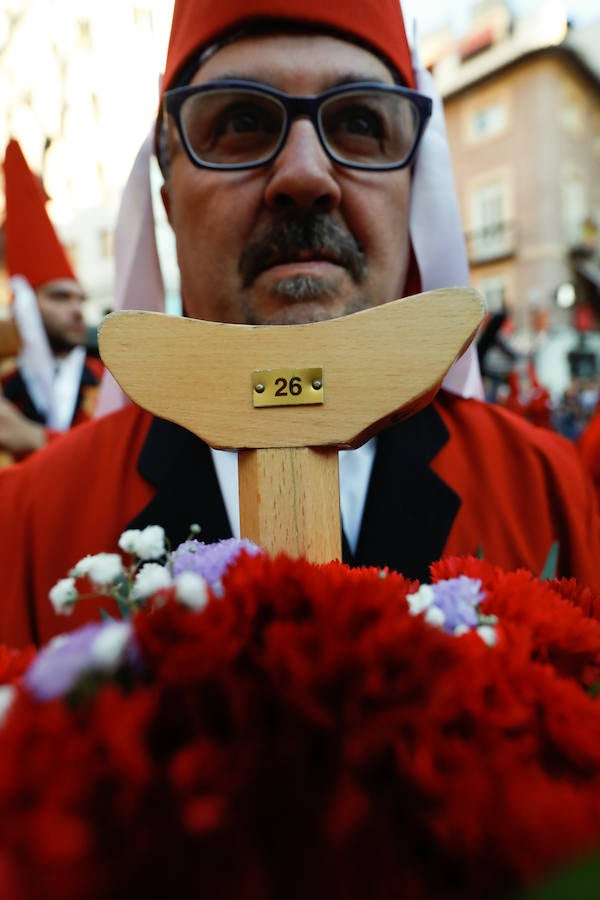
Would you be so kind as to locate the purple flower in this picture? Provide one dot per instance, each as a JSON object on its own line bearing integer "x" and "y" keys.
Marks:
{"x": 458, "y": 599}
{"x": 451, "y": 604}
{"x": 100, "y": 647}
{"x": 210, "y": 561}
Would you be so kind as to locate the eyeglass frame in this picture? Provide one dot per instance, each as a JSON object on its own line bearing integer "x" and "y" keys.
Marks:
{"x": 294, "y": 107}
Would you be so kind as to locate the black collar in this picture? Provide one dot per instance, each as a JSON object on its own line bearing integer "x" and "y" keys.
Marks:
{"x": 408, "y": 512}
{"x": 409, "y": 509}
{"x": 180, "y": 467}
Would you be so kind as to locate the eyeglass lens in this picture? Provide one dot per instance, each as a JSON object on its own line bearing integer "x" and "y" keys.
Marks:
{"x": 239, "y": 126}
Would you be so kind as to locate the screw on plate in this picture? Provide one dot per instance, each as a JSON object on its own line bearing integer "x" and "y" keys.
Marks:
{"x": 259, "y": 388}
{"x": 317, "y": 384}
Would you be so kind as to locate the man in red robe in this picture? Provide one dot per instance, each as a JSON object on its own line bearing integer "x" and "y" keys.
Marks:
{"x": 303, "y": 181}
{"x": 53, "y": 383}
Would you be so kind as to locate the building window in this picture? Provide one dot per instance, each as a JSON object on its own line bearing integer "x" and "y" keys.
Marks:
{"x": 574, "y": 206}
{"x": 596, "y": 135}
{"x": 572, "y": 112}
{"x": 487, "y": 121}
{"x": 491, "y": 234}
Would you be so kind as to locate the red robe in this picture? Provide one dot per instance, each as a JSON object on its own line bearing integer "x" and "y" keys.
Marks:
{"x": 13, "y": 387}
{"x": 460, "y": 477}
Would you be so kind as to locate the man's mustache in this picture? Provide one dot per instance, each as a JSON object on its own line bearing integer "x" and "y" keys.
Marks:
{"x": 295, "y": 234}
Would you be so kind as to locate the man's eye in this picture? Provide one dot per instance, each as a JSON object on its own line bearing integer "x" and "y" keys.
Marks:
{"x": 241, "y": 122}
{"x": 245, "y": 120}
{"x": 361, "y": 121}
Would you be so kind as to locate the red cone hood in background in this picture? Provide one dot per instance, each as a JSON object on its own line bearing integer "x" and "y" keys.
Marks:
{"x": 378, "y": 23}
{"x": 31, "y": 246}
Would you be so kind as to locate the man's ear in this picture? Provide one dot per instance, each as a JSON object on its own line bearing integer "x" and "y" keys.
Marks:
{"x": 166, "y": 199}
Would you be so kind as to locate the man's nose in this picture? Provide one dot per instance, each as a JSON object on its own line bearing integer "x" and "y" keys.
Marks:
{"x": 302, "y": 175}
{"x": 76, "y": 306}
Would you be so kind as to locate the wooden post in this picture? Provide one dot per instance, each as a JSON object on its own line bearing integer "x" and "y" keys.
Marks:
{"x": 290, "y": 501}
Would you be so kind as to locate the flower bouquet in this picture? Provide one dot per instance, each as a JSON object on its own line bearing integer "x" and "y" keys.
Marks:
{"x": 264, "y": 728}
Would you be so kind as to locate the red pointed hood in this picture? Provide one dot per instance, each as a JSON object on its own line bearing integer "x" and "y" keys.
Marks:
{"x": 31, "y": 246}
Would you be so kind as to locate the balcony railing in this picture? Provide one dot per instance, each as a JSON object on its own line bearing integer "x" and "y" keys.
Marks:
{"x": 491, "y": 242}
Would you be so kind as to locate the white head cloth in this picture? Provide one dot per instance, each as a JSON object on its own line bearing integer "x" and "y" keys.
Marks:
{"x": 440, "y": 251}
{"x": 138, "y": 277}
{"x": 436, "y": 229}
{"x": 35, "y": 354}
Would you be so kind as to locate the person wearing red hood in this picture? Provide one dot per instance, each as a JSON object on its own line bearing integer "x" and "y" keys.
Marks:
{"x": 307, "y": 175}
{"x": 54, "y": 383}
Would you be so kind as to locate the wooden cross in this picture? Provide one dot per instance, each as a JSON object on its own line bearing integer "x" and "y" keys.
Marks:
{"x": 288, "y": 397}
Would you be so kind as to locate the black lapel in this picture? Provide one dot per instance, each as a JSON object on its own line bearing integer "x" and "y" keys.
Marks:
{"x": 180, "y": 466}
{"x": 409, "y": 510}
{"x": 15, "y": 390}
{"x": 88, "y": 377}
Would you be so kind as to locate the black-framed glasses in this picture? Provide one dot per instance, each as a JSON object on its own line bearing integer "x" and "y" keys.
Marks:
{"x": 242, "y": 125}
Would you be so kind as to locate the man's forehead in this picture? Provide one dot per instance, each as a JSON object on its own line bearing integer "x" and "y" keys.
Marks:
{"x": 333, "y": 59}
{"x": 61, "y": 287}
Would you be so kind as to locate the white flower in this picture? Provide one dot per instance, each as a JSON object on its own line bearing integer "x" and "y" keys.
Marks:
{"x": 149, "y": 543}
{"x": 435, "y": 616}
{"x": 488, "y": 635}
{"x": 82, "y": 567}
{"x": 191, "y": 590}
{"x": 105, "y": 568}
{"x": 421, "y": 599}
{"x": 109, "y": 648}
{"x": 151, "y": 578}
{"x": 128, "y": 540}
{"x": 101, "y": 568}
{"x": 7, "y": 695}
{"x": 63, "y": 596}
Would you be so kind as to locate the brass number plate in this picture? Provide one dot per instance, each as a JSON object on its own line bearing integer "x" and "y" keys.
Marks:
{"x": 287, "y": 387}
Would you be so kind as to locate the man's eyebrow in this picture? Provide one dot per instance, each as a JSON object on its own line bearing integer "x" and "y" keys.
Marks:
{"x": 357, "y": 77}
{"x": 338, "y": 81}
{"x": 63, "y": 293}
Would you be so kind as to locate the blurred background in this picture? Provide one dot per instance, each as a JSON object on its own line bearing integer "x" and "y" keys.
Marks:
{"x": 520, "y": 82}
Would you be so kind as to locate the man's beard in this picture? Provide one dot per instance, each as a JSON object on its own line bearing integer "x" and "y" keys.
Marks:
{"x": 304, "y": 287}
{"x": 308, "y": 297}
{"x": 295, "y": 236}
{"x": 61, "y": 346}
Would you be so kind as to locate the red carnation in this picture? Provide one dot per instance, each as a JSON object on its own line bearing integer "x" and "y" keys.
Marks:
{"x": 305, "y": 735}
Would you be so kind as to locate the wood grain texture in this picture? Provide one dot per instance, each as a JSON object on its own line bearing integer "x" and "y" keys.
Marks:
{"x": 379, "y": 365}
{"x": 290, "y": 501}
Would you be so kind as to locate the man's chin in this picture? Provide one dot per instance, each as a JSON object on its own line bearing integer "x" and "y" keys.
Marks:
{"x": 303, "y": 312}
{"x": 62, "y": 346}
{"x": 304, "y": 299}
